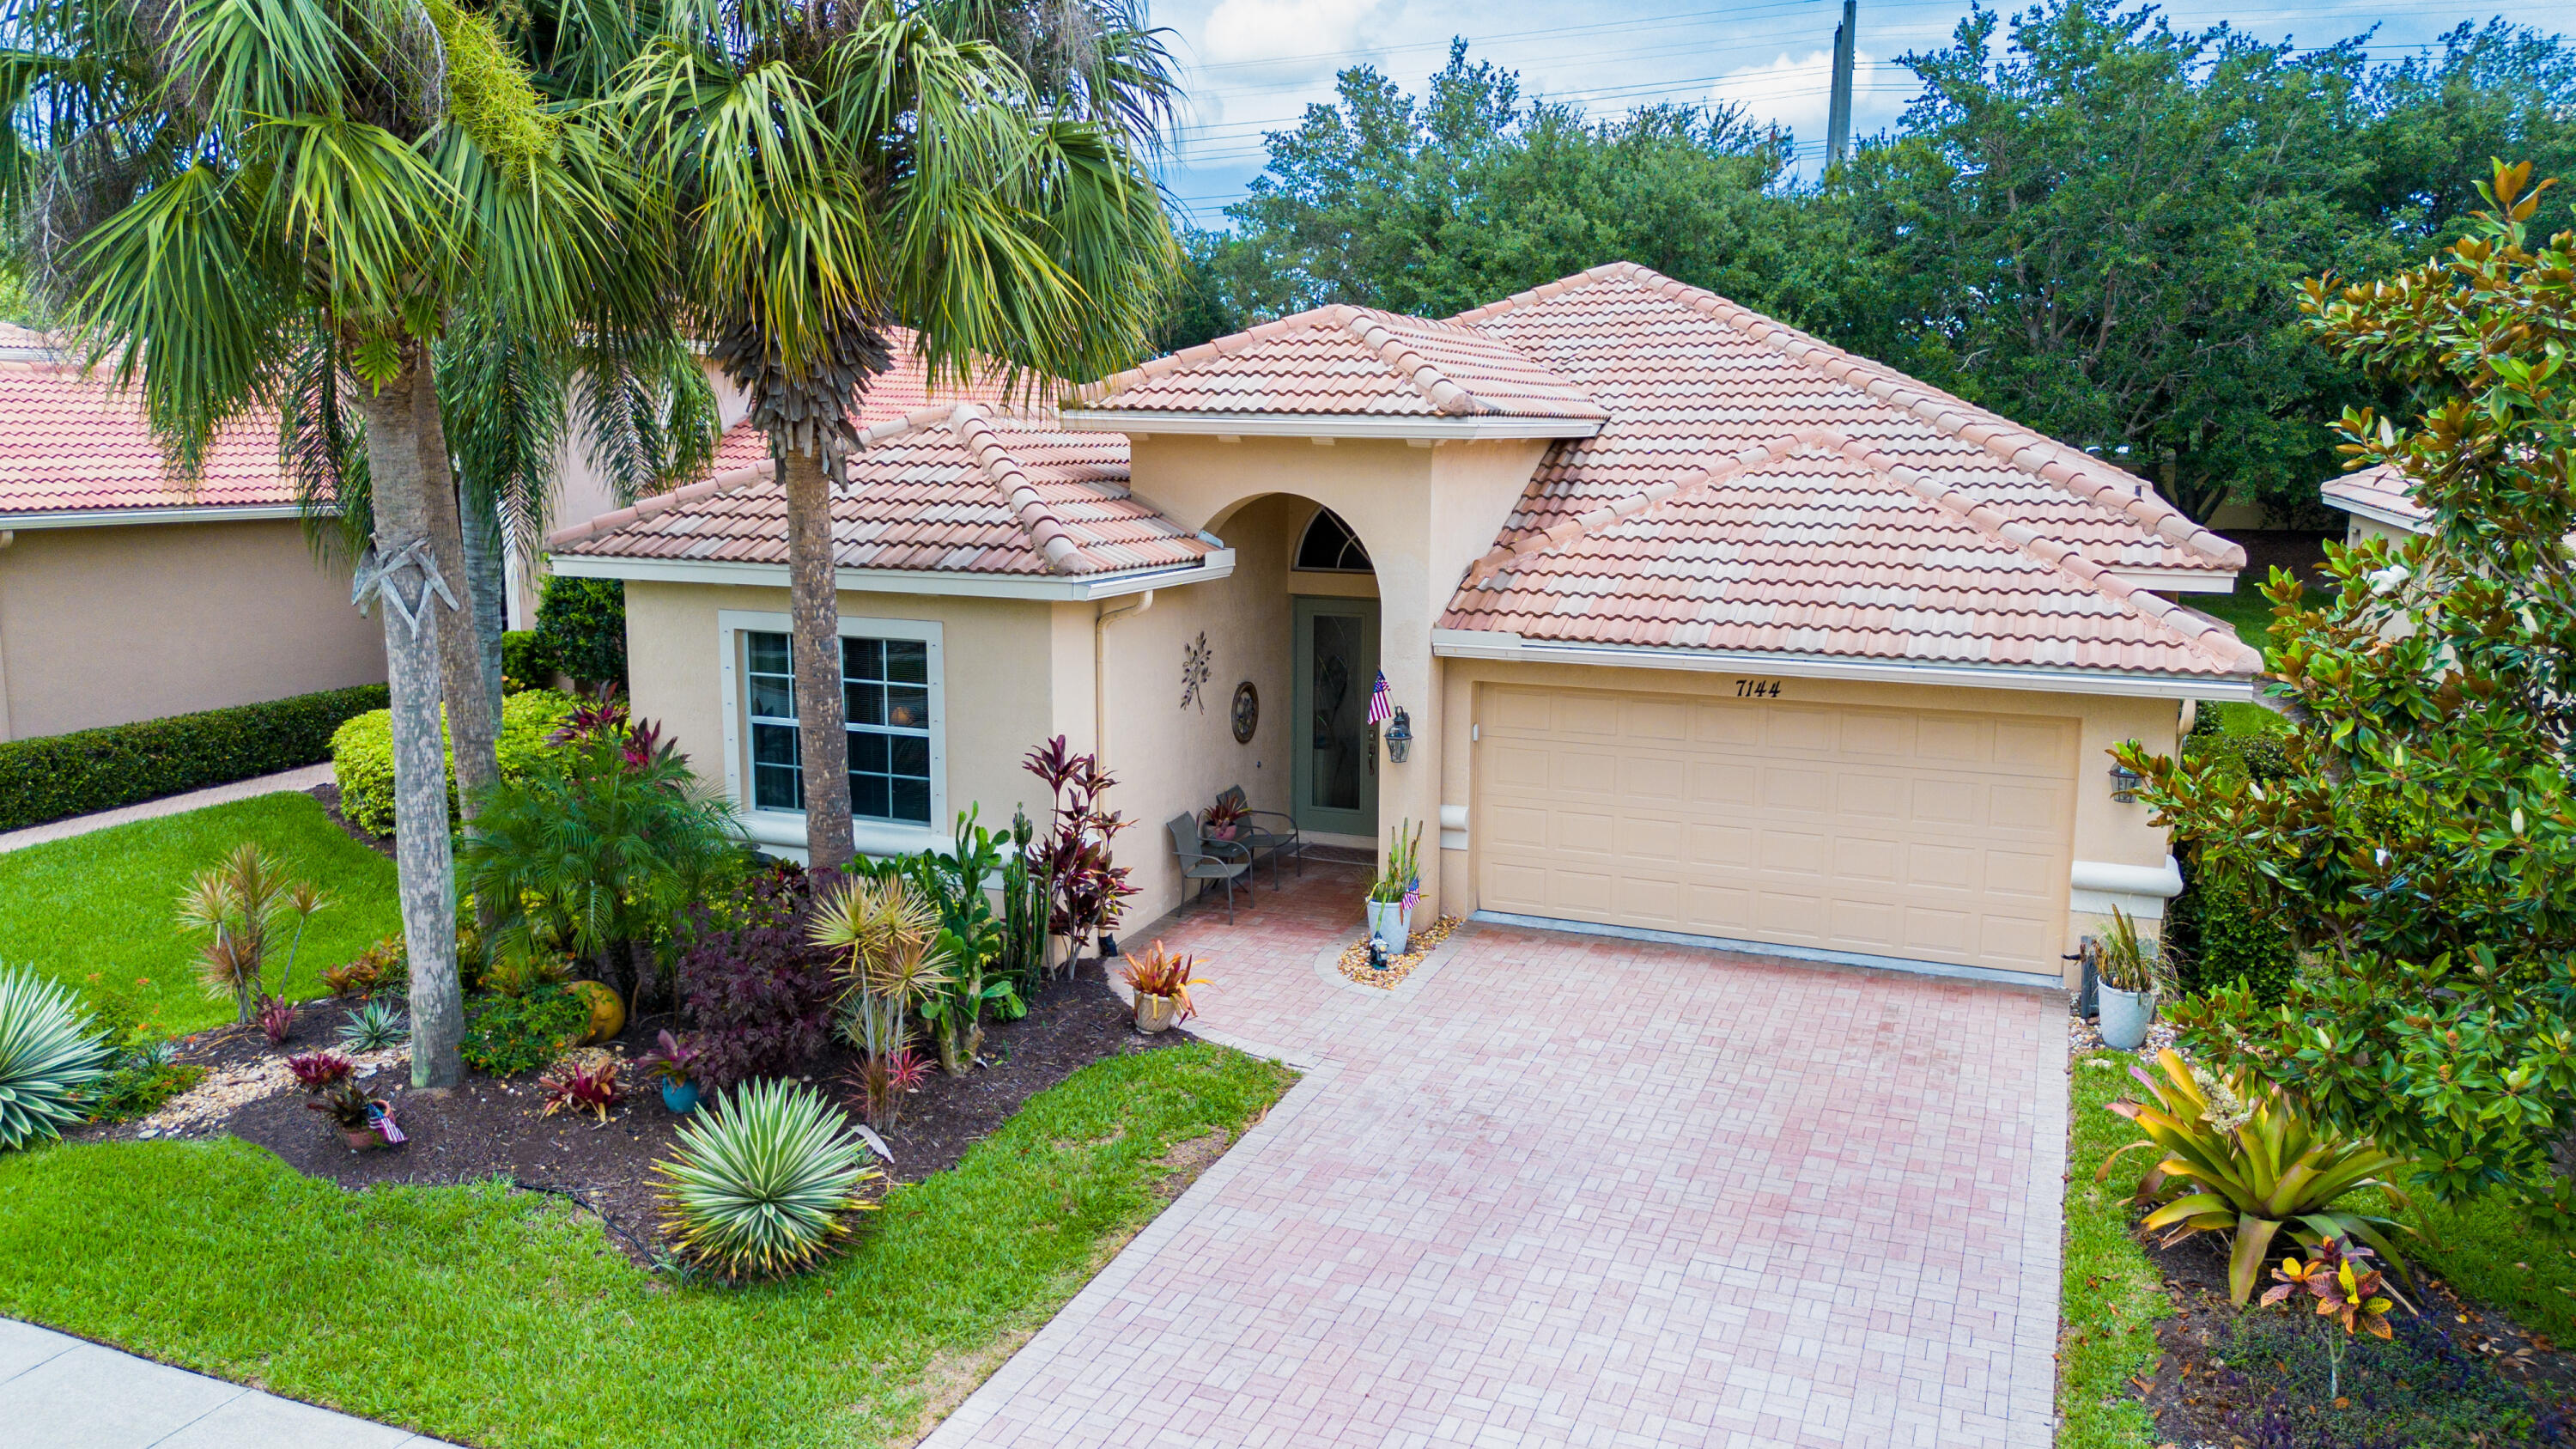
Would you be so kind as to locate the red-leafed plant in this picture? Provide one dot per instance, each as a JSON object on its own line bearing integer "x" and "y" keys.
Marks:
{"x": 676, "y": 1062}
{"x": 276, "y": 1018}
{"x": 885, "y": 1078}
{"x": 2338, "y": 1277}
{"x": 314, "y": 1071}
{"x": 1084, "y": 884}
{"x": 582, "y": 1086}
{"x": 759, "y": 989}
{"x": 1158, "y": 972}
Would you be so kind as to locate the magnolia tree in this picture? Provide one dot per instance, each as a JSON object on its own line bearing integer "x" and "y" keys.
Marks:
{"x": 2423, "y": 847}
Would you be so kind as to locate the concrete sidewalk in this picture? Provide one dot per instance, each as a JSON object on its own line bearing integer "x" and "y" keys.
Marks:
{"x": 279, "y": 783}
{"x": 61, "y": 1392}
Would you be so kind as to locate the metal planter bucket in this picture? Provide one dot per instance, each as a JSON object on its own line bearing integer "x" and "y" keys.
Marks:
{"x": 2125, "y": 1015}
{"x": 1388, "y": 926}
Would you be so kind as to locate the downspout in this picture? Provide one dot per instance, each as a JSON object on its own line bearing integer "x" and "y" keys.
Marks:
{"x": 1100, "y": 674}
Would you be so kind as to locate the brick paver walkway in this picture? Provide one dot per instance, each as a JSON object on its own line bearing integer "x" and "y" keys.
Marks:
{"x": 1582, "y": 1191}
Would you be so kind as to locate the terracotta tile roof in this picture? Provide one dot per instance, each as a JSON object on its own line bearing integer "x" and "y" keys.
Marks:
{"x": 1821, "y": 544}
{"x": 70, "y": 443}
{"x": 953, "y": 488}
{"x": 1689, "y": 377}
{"x": 1348, "y": 361}
{"x": 2381, "y": 491}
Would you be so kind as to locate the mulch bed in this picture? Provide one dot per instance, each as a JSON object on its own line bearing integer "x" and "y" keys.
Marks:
{"x": 2197, "y": 1401}
{"x": 493, "y": 1128}
{"x": 1354, "y": 962}
{"x": 329, "y": 796}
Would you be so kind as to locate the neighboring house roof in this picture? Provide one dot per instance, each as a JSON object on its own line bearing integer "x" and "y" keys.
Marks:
{"x": 1349, "y": 361}
{"x": 1756, "y": 489}
{"x": 899, "y": 393}
{"x": 2380, "y": 493}
{"x": 75, "y": 450}
{"x": 955, "y": 488}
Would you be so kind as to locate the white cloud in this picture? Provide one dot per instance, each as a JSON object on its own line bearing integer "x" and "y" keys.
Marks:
{"x": 1254, "y": 30}
{"x": 1796, "y": 92}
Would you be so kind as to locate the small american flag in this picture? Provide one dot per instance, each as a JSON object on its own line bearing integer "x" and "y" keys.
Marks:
{"x": 1412, "y": 894}
{"x": 1381, "y": 708}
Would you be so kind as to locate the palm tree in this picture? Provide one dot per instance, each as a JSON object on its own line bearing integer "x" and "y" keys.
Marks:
{"x": 837, "y": 167}
{"x": 248, "y": 203}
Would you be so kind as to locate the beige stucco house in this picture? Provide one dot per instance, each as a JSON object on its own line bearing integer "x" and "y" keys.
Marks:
{"x": 1701, "y": 629}
{"x": 125, "y": 595}
{"x": 2377, "y": 503}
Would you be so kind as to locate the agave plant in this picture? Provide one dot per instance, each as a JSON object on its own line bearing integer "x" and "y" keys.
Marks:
{"x": 768, "y": 1185}
{"x": 2242, "y": 1157}
{"x": 48, "y": 1058}
{"x": 374, "y": 1026}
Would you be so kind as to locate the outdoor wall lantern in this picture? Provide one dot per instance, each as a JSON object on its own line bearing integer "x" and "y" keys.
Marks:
{"x": 2124, "y": 784}
{"x": 1399, "y": 738}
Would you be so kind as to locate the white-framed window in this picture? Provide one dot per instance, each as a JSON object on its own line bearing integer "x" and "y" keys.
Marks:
{"x": 892, "y": 705}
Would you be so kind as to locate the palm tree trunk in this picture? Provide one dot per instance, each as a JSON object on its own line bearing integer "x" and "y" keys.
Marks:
{"x": 409, "y": 589}
{"x": 473, "y": 725}
{"x": 815, "y": 607}
{"x": 483, "y": 566}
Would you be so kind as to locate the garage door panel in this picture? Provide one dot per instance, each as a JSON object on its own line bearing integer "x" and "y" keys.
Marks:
{"x": 1920, "y": 834}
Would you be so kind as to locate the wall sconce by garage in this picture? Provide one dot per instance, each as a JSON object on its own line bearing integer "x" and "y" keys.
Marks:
{"x": 2124, "y": 784}
{"x": 1399, "y": 738}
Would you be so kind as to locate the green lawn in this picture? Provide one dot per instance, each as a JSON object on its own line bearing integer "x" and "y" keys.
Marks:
{"x": 2246, "y": 610}
{"x": 504, "y": 1319}
{"x": 2110, "y": 1296}
{"x": 95, "y": 910}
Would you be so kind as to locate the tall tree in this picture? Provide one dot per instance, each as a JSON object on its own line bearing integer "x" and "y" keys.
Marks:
{"x": 248, "y": 203}
{"x": 838, "y": 168}
{"x": 2423, "y": 846}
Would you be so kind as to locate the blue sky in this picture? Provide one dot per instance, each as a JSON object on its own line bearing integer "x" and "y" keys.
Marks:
{"x": 1251, "y": 66}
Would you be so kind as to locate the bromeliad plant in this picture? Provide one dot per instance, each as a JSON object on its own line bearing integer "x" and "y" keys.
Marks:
{"x": 317, "y": 1071}
{"x": 49, "y": 1059}
{"x": 2242, "y": 1158}
{"x": 582, "y": 1086}
{"x": 2127, "y": 963}
{"x": 1159, "y": 972}
{"x": 276, "y": 1017}
{"x": 768, "y": 1186}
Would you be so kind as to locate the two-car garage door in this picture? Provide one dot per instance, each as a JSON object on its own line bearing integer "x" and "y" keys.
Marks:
{"x": 1916, "y": 834}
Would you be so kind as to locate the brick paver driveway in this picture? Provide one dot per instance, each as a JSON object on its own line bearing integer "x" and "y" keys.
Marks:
{"x": 1572, "y": 1190}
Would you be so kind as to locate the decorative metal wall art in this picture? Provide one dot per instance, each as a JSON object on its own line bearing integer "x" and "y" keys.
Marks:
{"x": 1247, "y": 712}
{"x": 1194, "y": 672}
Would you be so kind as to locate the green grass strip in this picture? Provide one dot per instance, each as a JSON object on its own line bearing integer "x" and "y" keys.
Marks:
{"x": 96, "y": 911}
{"x": 505, "y": 1319}
{"x": 2111, "y": 1296}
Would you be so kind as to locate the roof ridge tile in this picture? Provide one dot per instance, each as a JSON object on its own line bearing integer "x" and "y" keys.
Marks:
{"x": 1063, "y": 552}
{"x": 1416, "y": 370}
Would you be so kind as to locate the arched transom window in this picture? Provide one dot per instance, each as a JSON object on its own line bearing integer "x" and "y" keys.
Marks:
{"x": 1330, "y": 547}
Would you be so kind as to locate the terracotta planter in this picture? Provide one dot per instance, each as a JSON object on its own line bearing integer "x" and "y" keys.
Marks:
{"x": 361, "y": 1139}
{"x": 1156, "y": 1013}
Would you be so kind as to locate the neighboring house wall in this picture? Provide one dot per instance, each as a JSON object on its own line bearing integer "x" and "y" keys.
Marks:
{"x": 2358, "y": 530}
{"x": 116, "y": 623}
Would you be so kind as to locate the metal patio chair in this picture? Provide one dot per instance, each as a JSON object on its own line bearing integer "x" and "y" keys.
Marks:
{"x": 1201, "y": 862}
{"x": 1265, "y": 840}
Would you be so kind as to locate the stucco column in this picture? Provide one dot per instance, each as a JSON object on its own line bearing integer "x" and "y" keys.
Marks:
{"x": 1457, "y": 784}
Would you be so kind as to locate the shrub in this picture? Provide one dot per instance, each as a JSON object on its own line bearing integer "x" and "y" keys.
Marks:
{"x": 56, "y": 776}
{"x": 383, "y": 965}
{"x": 362, "y": 755}
{"x": 49, "y": 1058}
{"x": 527, "y": 661}
{"x": 604, "y": 855}
{"x": 2242, "y": 1158}
{"x": 758, "y": 988}
{"x": 2218, "y": 935}
{"x": 143, "y": 1071}
{"x": 582, "y": 623}
{"x": 768, "y": 1185}
{"x": 512, "y": 1035}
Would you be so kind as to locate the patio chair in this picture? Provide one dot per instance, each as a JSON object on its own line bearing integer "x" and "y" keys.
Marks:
{"x": 1201, "y": 863}
{"x": 1280, "y": 838}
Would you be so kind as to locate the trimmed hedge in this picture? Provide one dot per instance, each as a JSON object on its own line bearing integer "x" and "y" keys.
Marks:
{"x": 57, "y": 776}
{"x": 362, "y": 755}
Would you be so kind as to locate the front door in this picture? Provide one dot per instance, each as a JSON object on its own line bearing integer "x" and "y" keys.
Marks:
{"x": 1336, "y": 746}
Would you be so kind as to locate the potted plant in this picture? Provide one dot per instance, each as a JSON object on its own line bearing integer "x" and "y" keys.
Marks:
{"x": 1398, "y": 885}
{"x": 674, "y": 1067}
{"x": 1162, "y": 982}
{"x": 2126, "y": 967}
{"x": 1224, "y": 819}
{"x": 364, "y": 1121}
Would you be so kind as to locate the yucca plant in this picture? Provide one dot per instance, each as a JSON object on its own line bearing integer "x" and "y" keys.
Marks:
{"x": 374, "y": 1027}
{"x": 48, "y": 1058}
{"x": 2241, "y": 1157}
{"x": 768, "y": 1185}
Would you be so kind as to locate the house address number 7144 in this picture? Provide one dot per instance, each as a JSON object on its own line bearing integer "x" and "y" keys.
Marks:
{"x": 1757, "y": 689}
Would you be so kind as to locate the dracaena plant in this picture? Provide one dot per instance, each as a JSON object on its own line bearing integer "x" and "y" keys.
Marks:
{"x": 2421, "y": 842}
{"x": 2241, "y": 1158}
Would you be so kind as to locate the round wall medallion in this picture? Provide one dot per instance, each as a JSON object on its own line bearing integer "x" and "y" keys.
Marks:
{"x": 1247, "y": 712}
